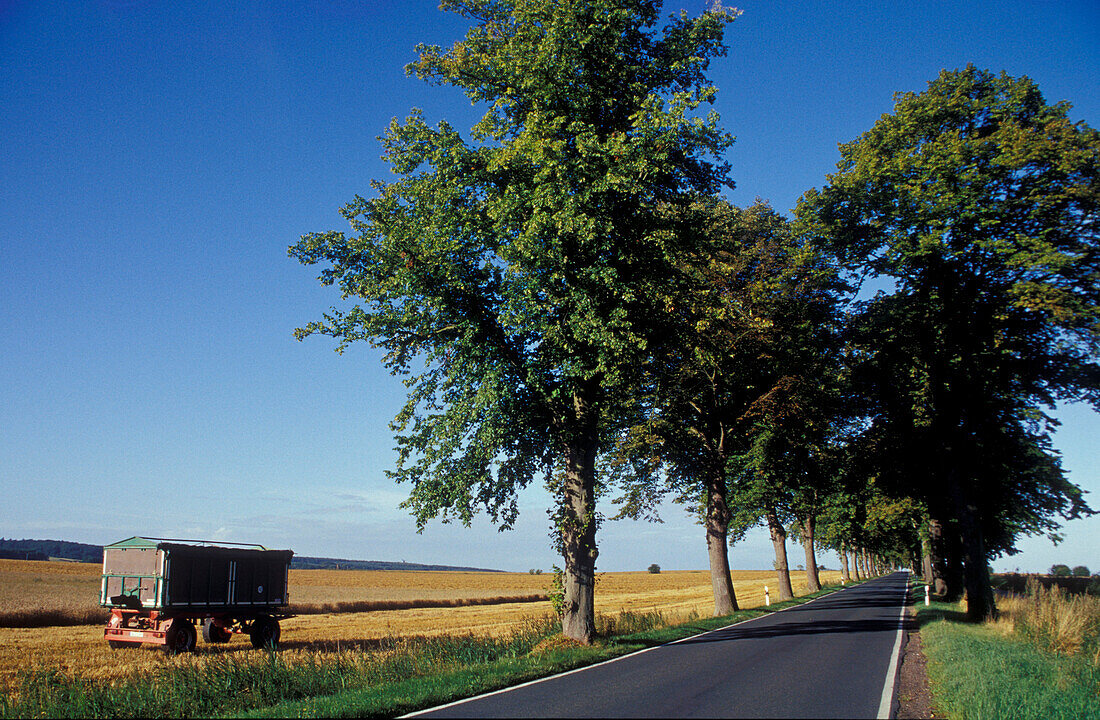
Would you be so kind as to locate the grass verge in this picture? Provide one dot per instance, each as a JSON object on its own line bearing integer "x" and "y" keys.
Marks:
{"x": 633, "y": 632}
{"x": 407, "y": 675}
{"x": 988, "y": 671}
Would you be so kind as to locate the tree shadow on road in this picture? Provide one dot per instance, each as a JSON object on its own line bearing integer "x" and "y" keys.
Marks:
{"x": 820, "y": 627}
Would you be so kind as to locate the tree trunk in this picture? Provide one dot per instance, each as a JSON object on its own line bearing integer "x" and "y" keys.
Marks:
{"x": 954, "y": 573}
{"x": 813, "y": 580}
{"x": 779, "y": 542}
{"x": 844, "y": 574}
{"x": 980, "y": 604}
{"x": 718, "y": 517}
{"x": 937, "y": 556}
{"x": 855, "y": 563}
{"x": 926, "y": 558}
{"x": 578, "y": 527}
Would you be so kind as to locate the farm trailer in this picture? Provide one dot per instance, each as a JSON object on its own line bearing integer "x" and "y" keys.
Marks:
{"x": 157, "y": 589}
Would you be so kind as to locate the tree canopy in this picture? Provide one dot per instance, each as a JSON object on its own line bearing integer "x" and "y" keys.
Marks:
{"x": 517, "y": 278}
{"x": 980, "y": 202}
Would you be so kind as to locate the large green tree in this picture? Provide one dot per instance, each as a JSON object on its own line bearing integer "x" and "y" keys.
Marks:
{"x": 981, "y": 203}
{"x": 744, "y": 352}
{"x": 517, "y": 278}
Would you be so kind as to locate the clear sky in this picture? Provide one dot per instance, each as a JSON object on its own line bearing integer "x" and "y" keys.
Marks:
{"x": 158, "y": 158}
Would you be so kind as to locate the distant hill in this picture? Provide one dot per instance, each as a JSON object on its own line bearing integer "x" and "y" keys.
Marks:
{"x": 46, "y": 549}
{"x": 315, "y": 563}
{"x": 82, "y": 552}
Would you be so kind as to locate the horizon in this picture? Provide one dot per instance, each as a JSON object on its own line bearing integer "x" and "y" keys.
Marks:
{"x": 160, "y": 159}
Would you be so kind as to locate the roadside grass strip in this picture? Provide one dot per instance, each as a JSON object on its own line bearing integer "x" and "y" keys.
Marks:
{"x": 980, "y": 671}
{"x": 408, "y": 675}
{"x": 439, "y": 689}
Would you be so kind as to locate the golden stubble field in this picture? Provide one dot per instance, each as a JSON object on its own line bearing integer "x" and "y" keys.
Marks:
{"x": 30, "y": 586}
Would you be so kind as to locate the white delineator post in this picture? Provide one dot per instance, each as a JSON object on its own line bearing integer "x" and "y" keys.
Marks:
{"x": 926, "y": 599}
{"x": 767, "y": 597}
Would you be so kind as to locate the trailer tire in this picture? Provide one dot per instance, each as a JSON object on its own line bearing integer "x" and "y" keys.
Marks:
{"x": 120, "y": 644}
{"x": 212, "y": 633}
{"x": 264, "y": 632}
{"x": 180, "y": 637}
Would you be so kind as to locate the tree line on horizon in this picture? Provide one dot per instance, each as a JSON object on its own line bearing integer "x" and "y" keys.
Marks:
{"x": 567, "y": 296}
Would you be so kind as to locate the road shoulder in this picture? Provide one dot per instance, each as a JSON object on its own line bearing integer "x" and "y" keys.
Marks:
{"x": 914, "y": 694}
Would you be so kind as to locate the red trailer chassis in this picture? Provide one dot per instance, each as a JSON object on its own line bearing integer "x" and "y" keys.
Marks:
{"x": 176, "y": 631}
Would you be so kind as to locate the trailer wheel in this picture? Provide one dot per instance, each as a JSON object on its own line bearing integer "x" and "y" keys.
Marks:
{"x": 180, "y": 637}
{"x": 119, "y": 644}
{"x": 264, "y": 632}
{"x": 212, "y": 633}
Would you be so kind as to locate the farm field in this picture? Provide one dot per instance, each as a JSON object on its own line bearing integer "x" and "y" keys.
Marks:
{"x": 80, "y": 651}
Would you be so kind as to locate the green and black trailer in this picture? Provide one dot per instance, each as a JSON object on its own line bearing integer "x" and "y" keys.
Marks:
{"x": 159, "y": 589}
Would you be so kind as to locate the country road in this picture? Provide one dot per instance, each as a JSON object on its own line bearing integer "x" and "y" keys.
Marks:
{"x": 832, "y": 657}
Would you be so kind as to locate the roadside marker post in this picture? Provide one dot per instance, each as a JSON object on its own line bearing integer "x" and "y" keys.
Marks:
{"x": 767, "y": 597}
{"x": 926, "y": 599}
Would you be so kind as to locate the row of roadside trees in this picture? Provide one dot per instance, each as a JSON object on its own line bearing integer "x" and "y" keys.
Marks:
{"x": 568, "y": 297}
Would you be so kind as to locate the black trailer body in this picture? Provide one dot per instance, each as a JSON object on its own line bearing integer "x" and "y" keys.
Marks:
{"x": 157, "y": 588}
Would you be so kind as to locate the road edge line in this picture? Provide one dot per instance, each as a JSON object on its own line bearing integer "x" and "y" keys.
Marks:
{"x": 536, "y": 681}
{"x": 887, "y": 700}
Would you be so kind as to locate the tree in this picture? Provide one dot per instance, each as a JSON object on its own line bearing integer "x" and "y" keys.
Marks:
{"x": 523, "y": 274}
{"x": 1060, "y": 570}
{"x": 654, "y": 569}
{"x": 1081, "y": 571}
{"x": 980, "y": 202}
{"x": 739, "y": 356}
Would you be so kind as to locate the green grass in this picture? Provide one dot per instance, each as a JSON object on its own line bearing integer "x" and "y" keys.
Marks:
{"x": 408, "y": 675}
{"x": 390, "y": 699}
{"x": 980, "y": 671}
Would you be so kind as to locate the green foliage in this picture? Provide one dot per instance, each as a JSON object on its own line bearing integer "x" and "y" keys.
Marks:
{"x": 742, "y": 360}
{"x": 523, "y": 272}
{"x": 980, "y": 203}
{"x": 654, "y": 569}
{"x": 518, "y": 278}
{"x": 1060, "y": 570}
{"x": 557, "y": 591}
{"x": 1081, "y": 571}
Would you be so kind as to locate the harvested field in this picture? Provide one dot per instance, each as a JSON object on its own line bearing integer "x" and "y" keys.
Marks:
{"x": 36, "y": 592}
{"x": 80, "y": 651}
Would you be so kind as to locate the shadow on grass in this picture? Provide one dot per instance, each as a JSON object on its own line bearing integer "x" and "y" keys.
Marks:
{"x": 933, "y": 614}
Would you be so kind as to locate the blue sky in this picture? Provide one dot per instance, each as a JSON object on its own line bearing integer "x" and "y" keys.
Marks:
{"x": 159, "y": 158}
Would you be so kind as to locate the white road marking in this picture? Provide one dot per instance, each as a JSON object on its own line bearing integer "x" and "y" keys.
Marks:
{"x": 892, "y": 669}
{"x": 636, "y": 653}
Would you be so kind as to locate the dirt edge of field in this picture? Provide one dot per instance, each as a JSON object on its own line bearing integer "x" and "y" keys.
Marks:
{"x": 914, "y": 694}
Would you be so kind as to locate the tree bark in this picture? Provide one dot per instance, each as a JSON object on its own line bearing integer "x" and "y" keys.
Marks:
{"x": 844, "y": 573}
{"x": 578, "y": 527}
{"x": 926, "y": 558}
{"x": 855, "y": 563}
{"x": 718, "y": 517}
{"x": 954, "y": 574}
{"x": 980, "y": 604}
{"x": 779, "y": 542}
{"x": 937, "y": 556}
{"x": 813, "y": 580}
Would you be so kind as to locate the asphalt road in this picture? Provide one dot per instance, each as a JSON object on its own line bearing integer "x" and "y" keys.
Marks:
{"x": 831, "y": 657}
